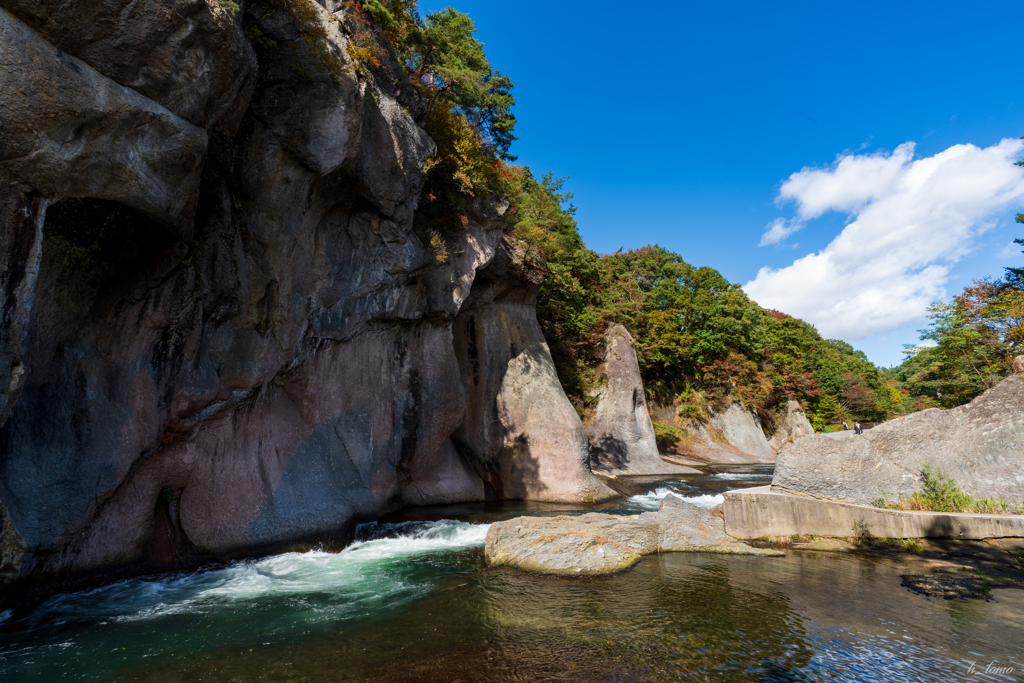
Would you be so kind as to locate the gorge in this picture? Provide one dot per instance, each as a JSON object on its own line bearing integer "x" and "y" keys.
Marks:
{"x": 286, "y": 337}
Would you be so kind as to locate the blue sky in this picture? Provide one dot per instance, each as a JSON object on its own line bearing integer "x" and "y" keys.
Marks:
{"x": 678, "y": 124}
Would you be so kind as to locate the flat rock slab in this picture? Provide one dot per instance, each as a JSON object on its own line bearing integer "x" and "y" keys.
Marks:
{"x": 598, "y": 544}
{"x": 687, "y": 528}
{"x": 589, "y": 545}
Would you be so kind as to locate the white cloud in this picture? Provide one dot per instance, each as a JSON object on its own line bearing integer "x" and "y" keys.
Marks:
{"x": 1012, "y": 250}
{"x": 911, "y": 220}
{"x": 778, "y": 230}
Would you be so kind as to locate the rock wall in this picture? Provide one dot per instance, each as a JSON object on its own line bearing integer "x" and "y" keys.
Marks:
{"x": 521, "y": 432}
{"x": 980, "y": 445}
{"x": 742, "y": 429}
{"x": 791, "y": 427}
{"x": 221, "y": 333}
{"x": 621, "y": 430}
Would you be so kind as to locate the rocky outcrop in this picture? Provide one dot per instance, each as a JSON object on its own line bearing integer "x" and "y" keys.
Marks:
{"x": 742, "y": 429}
{"x": 520, "y": 431}
{"x": 596, "y": 544}
{"x": 621, "y": 430}
{"x": 980, "y": 445}
{"x": 791, "y": 427}
{"x": 221, "y": 332}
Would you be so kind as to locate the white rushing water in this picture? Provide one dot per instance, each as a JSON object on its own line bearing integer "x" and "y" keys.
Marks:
{"x": 652, "y": 500}
{"x": 733, "y": 476}
{"x": 369, "y": 574}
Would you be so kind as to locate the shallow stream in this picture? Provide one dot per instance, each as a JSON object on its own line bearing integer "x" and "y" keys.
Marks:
{"x": 413, "y": 601}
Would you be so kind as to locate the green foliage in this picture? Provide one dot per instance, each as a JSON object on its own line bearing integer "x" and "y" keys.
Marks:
{"x": 973, "y": 339}
{"x": 667, "y": 435}
{"x": 700, "y": 341}
{"x": 942, "y": 494}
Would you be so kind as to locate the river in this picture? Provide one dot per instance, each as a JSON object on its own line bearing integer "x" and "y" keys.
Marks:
{"x": 412, "y": 600}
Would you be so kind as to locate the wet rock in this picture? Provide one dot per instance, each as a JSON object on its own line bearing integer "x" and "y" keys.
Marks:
{"x": 980, "y": 445}
{"x": 685, "y": 527}
{"x": 589, "y": 545}
{"x": 621, "y": 430}
{"x": 595, "y": 544}
{"x": 948, "y": 586}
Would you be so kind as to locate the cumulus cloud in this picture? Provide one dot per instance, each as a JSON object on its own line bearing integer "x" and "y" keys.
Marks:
{"x": 910, "y": 221}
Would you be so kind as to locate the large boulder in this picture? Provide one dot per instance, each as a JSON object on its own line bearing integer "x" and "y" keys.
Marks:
{"x": 588, "y": 545}
{"x": 684, "y": 527}
{"x": 621, "y": 430}
{"x": 289, "y": 369}
{"x": 980, "y": 445}
{"x": 596, "y": 544}
{"x": 742, "y": 429}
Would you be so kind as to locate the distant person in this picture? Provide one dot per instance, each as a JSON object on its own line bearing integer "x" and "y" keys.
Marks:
{"x": 846, "y": 427}
{"x": 857, "y": 429}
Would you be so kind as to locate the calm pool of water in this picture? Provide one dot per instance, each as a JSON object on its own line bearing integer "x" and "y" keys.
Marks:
{"x": 413, "y": 601}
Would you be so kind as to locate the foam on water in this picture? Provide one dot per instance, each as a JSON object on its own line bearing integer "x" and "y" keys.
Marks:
{"x": 372, "y": 571}
{"x": 652, "y": 500}
{"x": 735, "y": 476}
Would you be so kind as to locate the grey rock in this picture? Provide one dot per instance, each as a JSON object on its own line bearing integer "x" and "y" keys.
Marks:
{"x": 980, "y": 445}
{"x": 743, "y": 431}
{"x": 190, "y": 56}
{"x": 793, "y": 425}
{"x": 96, "y": 139}
{"x": 588, "y": 545}
{"x": 621, "y": 430}
{"x": 684, "y": 527}
{"x": 596, "y": 544}
{"x": 301, "y": 364}
{"x": 520, "y": 428}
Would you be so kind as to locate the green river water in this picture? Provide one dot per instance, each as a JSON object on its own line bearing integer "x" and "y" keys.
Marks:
{"x": 413, "y": 601}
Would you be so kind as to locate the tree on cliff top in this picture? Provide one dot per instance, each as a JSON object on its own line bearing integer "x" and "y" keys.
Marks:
{"x": 448, "y": 65}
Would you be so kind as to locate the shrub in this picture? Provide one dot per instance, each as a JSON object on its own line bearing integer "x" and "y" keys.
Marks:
{"x": 942, "y": 494}
{"x": 667, "y": 435}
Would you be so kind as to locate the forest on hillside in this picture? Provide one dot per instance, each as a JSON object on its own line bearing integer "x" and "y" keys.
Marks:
{"x": 701, "y": 341}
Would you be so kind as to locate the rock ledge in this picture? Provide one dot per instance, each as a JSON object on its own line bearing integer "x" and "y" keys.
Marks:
{"x": 598, "y": 544}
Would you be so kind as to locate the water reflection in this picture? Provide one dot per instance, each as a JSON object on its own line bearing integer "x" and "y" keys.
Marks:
{"x": 414, "y": 602}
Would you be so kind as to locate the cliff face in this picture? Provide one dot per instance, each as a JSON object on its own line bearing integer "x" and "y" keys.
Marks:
{"x": 221, "y": 333}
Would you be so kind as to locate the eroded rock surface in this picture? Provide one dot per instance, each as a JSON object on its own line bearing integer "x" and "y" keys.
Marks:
{"x": 222, "y": 333}
{"x": 588, "y": 545}
{"x": 621, "y": 430}
{"x": 742, "y": 429}
{"x": 520, "y": 431}
{"x": 596, "y": 544}
{"x": 684, "y": 527}
{"x": 792, "y": 426}
{"x": 980, "y": 445}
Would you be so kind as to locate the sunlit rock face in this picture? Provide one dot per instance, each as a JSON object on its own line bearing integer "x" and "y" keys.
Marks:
{"x": 621, "y": 431}
{"x": 221, "y": 334}
{"x": 980, "y": 445}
